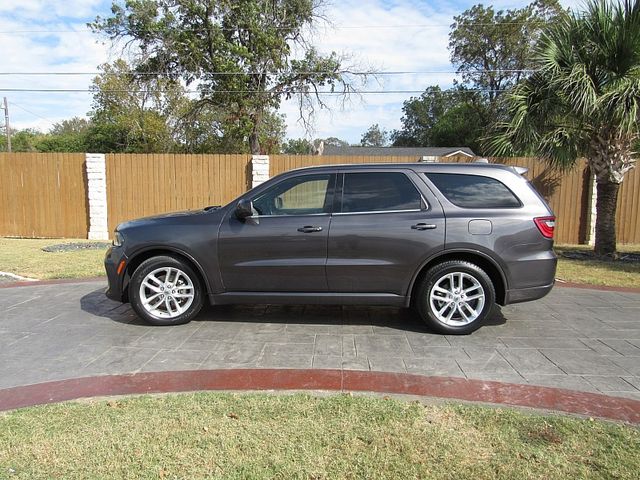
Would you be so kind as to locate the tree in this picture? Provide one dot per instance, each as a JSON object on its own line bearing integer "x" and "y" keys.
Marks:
{"x": 490, "y": 49}
{"x": 25, "y": 140}
{"x": 132, "y": 114}
{"x": 463, "y": 125}
{"x": 442, "y": 118}
{"x": 584, "y": 100}
{"x": 238, "y": 54}
{"x": 66, "y": 136}
{"x": 333, "y": 141}
{"x": 375, "y": 137}
{"x": 297, "y": 146}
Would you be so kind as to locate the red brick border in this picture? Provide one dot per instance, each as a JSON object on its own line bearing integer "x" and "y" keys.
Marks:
{"x": 582, "y": 403}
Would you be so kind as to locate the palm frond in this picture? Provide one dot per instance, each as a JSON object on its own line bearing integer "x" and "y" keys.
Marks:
{"x": 588, "y": 81}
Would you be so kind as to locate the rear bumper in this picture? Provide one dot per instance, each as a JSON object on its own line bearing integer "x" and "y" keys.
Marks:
{"x": 112, "y": 260}
{"x": 527, "y": 294}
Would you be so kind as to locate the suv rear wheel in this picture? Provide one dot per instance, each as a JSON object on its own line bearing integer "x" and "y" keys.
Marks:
{"x": 165, "y": 291}
{"x": 455, "y": 297}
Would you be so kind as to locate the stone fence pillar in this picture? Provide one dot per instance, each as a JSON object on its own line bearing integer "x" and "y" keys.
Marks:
{"x": 259, "y": 169}
{"x": 96, "y": 168}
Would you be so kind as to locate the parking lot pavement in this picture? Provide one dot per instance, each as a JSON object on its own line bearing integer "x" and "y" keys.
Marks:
{"x": 578, "y": 339}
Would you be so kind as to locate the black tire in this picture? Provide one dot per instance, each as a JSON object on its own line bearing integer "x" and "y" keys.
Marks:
{"x": 439, "y": 273}
{"x": 155, "y": 263}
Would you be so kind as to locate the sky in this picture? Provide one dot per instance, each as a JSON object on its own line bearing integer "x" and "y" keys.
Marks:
{"x": 46, "y": 36}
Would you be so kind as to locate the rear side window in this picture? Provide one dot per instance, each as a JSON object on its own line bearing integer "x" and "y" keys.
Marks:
{"x": 379, "y": 192}
{"x": 474, "y": 191}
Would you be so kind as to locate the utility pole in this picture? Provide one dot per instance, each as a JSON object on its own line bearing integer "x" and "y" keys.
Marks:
{"x": 6, "y": 124}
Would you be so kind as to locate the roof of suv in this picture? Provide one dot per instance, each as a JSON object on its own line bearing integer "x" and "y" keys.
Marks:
{"x": 421, "y": 166}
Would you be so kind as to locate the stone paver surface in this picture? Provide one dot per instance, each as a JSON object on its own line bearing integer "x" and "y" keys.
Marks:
{"x": 578, "y": 339}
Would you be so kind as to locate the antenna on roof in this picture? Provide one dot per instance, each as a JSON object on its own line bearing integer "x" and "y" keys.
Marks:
{"x": 481, "y": 160}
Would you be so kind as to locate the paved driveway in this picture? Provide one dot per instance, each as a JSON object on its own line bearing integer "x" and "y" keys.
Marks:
{"x": 579, "y": 339}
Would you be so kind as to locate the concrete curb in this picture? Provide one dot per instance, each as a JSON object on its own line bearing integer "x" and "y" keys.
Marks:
{"x": 17, "y": 277}
{"x": 55, "y": 281}
{"x": 547, "y": 398}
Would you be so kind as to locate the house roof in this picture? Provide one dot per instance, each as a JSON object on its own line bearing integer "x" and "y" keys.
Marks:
{"x": 399, "y": 151}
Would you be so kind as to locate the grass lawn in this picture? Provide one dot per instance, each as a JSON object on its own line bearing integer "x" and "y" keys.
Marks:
{"x": 24, "y": 257}
{"x": 246, "y": 436}
{"x": 599, "y": 272}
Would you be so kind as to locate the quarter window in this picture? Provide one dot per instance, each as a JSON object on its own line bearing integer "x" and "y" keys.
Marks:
{"x": 379, "y": 192}
{"x": 304, "y": 195}
{"x": 474, "y": 191}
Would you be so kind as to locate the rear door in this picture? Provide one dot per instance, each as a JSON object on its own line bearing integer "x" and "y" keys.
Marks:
{"x": 382, "y": 230}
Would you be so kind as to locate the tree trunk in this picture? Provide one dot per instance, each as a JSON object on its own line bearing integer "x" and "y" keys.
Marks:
{"x": 610, "y": 160}
{"x": 606, "y": 205}
{"x": 254, "y": 142}
{"x": 254, "y": 137}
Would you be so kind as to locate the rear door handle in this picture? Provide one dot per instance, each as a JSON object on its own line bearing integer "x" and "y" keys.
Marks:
{"x": 423, "y": 226}
{"x": 309, "y": 229}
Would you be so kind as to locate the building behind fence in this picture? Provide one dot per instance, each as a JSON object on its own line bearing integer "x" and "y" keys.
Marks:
{"x": 75, "y": 195}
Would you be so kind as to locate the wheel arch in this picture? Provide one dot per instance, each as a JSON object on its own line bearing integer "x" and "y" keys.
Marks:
{"x": 489, "y": 265}
{"x": 141, "y": 255}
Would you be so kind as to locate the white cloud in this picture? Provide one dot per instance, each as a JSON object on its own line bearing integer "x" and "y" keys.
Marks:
{"x": 53, "y": 48}
{"x": 384, "y": 48}
{"x": 44, "y": 9}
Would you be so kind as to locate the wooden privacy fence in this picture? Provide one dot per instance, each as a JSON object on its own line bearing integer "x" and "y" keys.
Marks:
{"x": 45, "y": 195}
{"x": 284, "y": 163}
{"x": 139, "y": 185}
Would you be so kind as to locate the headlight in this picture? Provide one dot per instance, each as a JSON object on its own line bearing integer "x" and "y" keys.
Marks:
{"x": 118, "y": 239}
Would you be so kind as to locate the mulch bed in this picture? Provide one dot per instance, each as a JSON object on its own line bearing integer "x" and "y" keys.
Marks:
{"x": 6, "y": 279}
{"x": 582, "y": 255}
{"x": 73, "y": 247}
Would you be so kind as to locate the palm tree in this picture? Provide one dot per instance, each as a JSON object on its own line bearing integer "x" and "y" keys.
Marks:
{"x": 582, "y": 101}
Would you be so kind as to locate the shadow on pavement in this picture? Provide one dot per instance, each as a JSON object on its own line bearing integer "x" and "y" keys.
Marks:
{"x": 96, "y": 303}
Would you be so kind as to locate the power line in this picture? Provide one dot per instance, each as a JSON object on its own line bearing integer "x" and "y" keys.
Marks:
{"x": 31, "y": 113}
{"x": 337, "y": 27}
{"x": 324, "y": 92}
{"x": 380, "y": 73}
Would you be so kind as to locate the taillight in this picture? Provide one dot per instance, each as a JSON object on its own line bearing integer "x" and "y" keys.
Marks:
{"x": 546, "y": 225}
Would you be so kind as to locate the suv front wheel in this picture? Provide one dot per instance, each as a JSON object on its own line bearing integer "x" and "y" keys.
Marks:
{"x": 165, "y": 291}
{"x": 455, "y": 297}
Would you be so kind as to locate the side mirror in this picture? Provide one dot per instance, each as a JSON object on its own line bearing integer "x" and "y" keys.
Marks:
{"x": 244, "y": 209}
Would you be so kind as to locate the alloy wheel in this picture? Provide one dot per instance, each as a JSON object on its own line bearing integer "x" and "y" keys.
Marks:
{"x": 166, "y": 292}
{"x": 457, "y": 299}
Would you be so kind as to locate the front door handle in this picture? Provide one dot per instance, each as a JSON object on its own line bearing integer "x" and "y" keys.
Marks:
{"x": 423, "y": 226}
{"x": 309, "y": 229}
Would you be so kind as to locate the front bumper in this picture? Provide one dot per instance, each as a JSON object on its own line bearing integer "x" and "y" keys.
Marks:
{"x": 112, "y": 261}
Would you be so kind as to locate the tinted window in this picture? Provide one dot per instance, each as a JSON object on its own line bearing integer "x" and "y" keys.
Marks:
{"x": 302, "y": 195}
{"x": 375, "y": 192}
{"x": 474, "y": 191}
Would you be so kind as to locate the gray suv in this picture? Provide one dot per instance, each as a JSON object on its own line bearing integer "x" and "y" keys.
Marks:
{"x": 449, "y": 240}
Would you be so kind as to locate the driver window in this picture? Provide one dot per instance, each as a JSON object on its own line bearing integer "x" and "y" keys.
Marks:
{"x": 304, "y": 195}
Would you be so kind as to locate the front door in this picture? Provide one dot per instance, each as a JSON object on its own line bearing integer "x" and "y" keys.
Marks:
{"x": 385, "y": 229}
{"x": 283, "y": 246}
